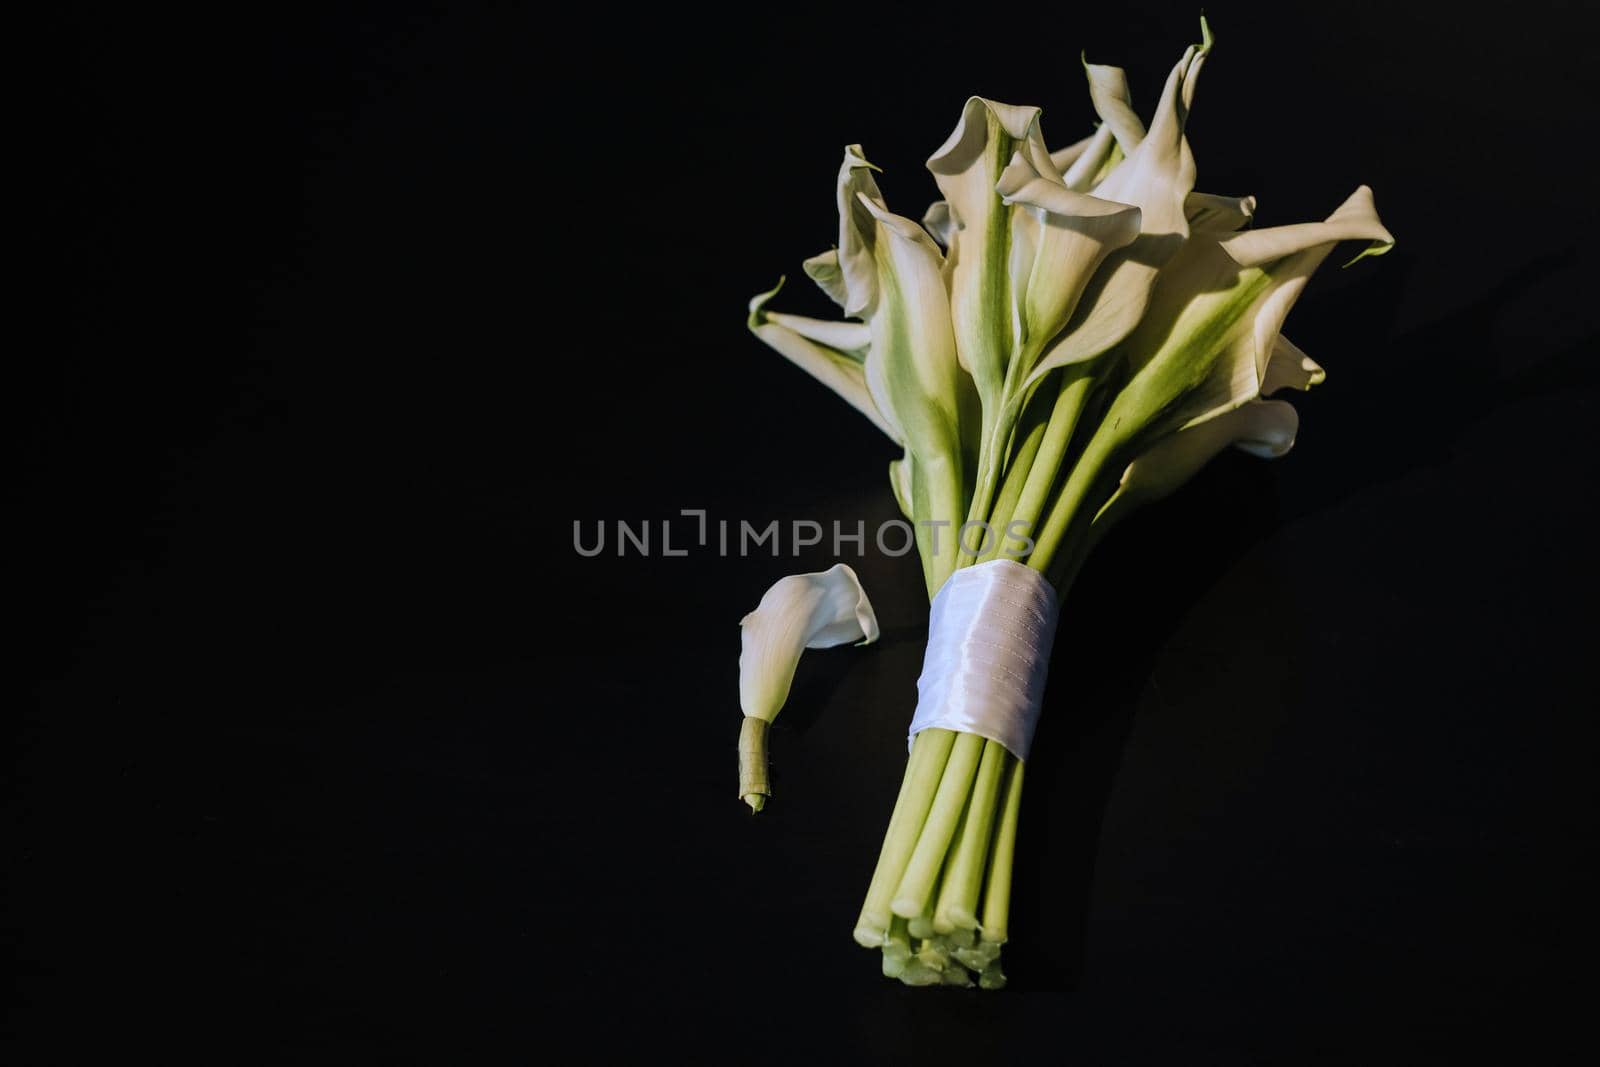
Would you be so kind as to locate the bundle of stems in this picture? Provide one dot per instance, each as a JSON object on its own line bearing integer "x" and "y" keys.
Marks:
{"x": 1066, "y": 336}
{"x": 940, "y": 899}
{"x": 939, "y": 902}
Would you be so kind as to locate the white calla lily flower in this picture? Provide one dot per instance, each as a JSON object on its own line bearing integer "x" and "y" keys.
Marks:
{"x": 1076, "y": 232}
{"x": 1209, "y": 213}
{"x": 1263, "y": 428}
{"x": 1217, "y": 317}
{"x": 1156, "y": 177}
{"x": 800, "y": 611}
{"x": 1108, "y": 91}
{"x": 966, "y": 169}
{"x": 894, "y": 279}
{"x": 834, "y": 353}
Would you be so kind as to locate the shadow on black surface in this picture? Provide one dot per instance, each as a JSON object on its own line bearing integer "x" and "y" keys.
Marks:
{"x": 1089, "y": 714}
{"x": 1184, "y": 545}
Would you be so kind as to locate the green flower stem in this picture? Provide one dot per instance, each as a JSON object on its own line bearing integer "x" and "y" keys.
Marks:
{"x": 914, "y": 895}
{"x": 924, "y": 770}
{"x": 997, "y": 893}
{"x": 935, "y": 493}
{"x": 983, "y": 495}
{"x": 1064, "y": 420}
{"x": 1083, "y": 479}
{"x": 937, "y": 921}
{"x": 1063, "y": 570}
{"x": 1030, "y": 434}
{"x": 957, "y": 907}
{"x": 996, "y": 443}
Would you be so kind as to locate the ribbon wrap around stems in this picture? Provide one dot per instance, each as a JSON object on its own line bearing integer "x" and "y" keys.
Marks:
{"x": 990, "y": 629}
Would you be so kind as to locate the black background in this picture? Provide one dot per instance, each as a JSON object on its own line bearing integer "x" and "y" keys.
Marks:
{"x": 336, "y": 751}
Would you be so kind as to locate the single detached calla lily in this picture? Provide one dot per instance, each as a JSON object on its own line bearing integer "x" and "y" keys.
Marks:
{"x": 801, "y": 611}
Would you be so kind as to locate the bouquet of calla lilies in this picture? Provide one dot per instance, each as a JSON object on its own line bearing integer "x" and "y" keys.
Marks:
{"x": 1064, "y": 336}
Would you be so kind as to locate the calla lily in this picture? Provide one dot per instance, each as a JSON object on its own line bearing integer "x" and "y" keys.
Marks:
{"x": 800, "y": 611}
{"x": 978, "y": 236}
{"x": 1208, "y": 213}
{"x": 891, "y": 275}
{"x": 834, "y": 353}
{"x": 1076, "y": 232}
{"x": 1108, "y": 91}
{"x": 1156, "y": 177}
{"x": 1206, "y": 345}
{"x": 1263, "y": 428}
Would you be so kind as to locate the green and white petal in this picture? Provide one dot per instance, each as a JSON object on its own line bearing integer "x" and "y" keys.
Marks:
{"x": 1108, "y": 91}
{"x": 1287, "y": 257}
{"x": 1263, "y": 428}
{"x": 967, "y": 167}
{"x": 1159, "y": 171}
{"x": 938, "y": 221}
{"x": 1101, "y": 152}
{"x": 900, "y": 474}
{"x": 911, "y": 362}
{"x": 1063, "y": 158}
{"x": 1157, "y": 177}
{"x": 1290, "y": 368}
{"x": 851, "y": 338}
{"x": 894, "y": 275}
{"x": 831, "y": 352}
{"x": 1076, "y": 232}
{"x": 1208, "y": 213}
{"x": 801, "y": 611}
{"x": 858, "y": 273}
{"x": 1216, "y": 318}
{"x": 823, "y": 268}
{"x": 1356, "y": 219}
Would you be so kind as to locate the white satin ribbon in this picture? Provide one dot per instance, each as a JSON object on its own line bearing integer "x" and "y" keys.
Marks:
{"x": 990, "y": 629}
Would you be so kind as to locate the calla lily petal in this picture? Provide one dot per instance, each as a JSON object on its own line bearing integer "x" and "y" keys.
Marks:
{"x": 1356, "y": 219}
{"x": 938, "y": 221}
{"x": 1066, "y": 157}
{"x": 1101, "y": 151}
{"x": 912, "y": 370}
{"x": 1157, "y": 177}
{"x": 823, "y": 268}
{"x": 1214, "y": 323}
{"x": 889, "y": 273}
{"x": 858, "y": 274}
{"x": 831, "y": 352}
{"x": 1290, "y": 368}
{"x": 1208, "y": 213}
{"x": 1076, "y": 233}
{"x": 851, "y": 338}
{"x": 801, "y": 611}
{"x": 1263, "y": 428}
{"x": 900, "y": 475}
{"x": 1108, "y": 91}
{"x": 967, "y": 167}
{"x": 1159, "y": 172}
